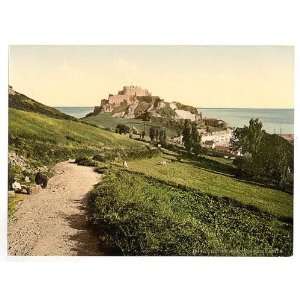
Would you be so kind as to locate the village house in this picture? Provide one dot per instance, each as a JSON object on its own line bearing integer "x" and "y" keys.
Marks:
{"x": 215, "y": 139}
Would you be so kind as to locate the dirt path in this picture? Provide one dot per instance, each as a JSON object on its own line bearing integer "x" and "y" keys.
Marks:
{"x": 53, "y": 221}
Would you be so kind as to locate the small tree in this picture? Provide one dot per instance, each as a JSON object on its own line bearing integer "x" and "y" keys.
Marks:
{"x": 195, "y": 139}
{"x": 163, "y": 136}
{"x": 186, "y": 135}
{"x": 122, "y": 129}
{"x": 152, "y": 134}
{"x": 248, "y": 138}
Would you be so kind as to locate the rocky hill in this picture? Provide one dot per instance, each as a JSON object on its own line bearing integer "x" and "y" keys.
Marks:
{"x": 134, "y": 102}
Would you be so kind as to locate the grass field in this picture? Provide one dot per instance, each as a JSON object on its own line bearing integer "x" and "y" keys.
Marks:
{"x": 39, "y": 136}
{"x": 197, "y": 176}
{"x": 143, "y": 216}
{"x": 105, "y": 120}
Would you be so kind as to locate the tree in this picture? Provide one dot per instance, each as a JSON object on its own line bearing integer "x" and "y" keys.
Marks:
{"x": 195, "y": 139}
{"x": 190, "y": 137}
{"x": 266, "y": 157}
{"x": 122, "y": 129}
{"x": 154, "y": 134}
{"x": 163, "y": 136}
{"x": 248, "y": 138}
{"x": 186, "y": 135}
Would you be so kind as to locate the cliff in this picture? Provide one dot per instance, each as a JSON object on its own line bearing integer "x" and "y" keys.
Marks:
{"x": 134, "y": 102}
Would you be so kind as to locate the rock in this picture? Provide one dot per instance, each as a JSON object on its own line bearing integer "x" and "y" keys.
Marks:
{"x": 16, "y": 186}
{"x": 27, "y": 179}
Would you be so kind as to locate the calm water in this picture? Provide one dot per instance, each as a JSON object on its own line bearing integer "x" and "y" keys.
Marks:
{"x": 77, "y": 112}
{"x": 274, "y": 120}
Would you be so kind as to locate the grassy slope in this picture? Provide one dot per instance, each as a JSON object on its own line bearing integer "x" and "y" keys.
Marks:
{"x": 105, "y": 120}
{"x": 22, "y": 102}
{"x": 45, "y": 137}
{"x": 208, "y": 181}
{"x": 142, "y": 216}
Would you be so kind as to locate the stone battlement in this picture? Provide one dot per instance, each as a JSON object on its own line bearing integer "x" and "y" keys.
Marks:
{"x": 128, "y": 94}
{"x": 133, "y": 90}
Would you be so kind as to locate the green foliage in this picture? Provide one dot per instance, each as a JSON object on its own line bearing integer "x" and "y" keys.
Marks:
{"x": 22, "y": 102}
{"x": 267, "y": 157}
{"x": 143, "y": 216}
{"x": 99, "y": 157}
{"x": 190, "y": 137}
{"x": 187, "y": 135}
{"x": 162, "y": 136}
{"x": 195, "y": 139}
{"x": 248, "y": 138}
{"x": 122, "y": 129}
{"x": 86, "y": 161}
{"x": 154, "y": 134}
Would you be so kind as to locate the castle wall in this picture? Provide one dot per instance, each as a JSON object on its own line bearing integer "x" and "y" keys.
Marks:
{"x": 134, "y": 91}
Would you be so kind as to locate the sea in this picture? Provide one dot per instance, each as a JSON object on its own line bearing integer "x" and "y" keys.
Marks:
{"x": 280, "y": 121}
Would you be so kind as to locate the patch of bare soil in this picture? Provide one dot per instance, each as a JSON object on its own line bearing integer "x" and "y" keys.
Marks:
{"x": 54, "y": 220}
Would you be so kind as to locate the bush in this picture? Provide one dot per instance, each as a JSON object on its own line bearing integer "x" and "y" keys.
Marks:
{"x": 122, "y": 129}
{"x": 99, "y": 157}
{"x": 85, "y": 161}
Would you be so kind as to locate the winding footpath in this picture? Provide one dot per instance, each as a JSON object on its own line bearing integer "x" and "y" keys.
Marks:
{"x": 53, "y": 221}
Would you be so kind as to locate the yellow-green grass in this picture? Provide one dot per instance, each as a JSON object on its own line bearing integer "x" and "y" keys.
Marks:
{"x": 13, "y": 202}
{"x": 143, "y": 216}
{"x": 39, "y": 127}
{"x": 189, "y": 174}
{"x": 106, "y": 120}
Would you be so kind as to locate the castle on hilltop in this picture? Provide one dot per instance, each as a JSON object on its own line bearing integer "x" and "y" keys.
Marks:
{"x": 133, "y": 90}
{"x": 128, "y": 94}
{"x": 135, "y": 102}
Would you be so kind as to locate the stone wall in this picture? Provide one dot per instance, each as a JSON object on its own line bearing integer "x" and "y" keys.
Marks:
{"x": 134, "y": 91}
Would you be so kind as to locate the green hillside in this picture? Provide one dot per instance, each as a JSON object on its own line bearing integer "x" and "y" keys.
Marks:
{"x": 204, "y": 179}
{"x": 145, "y": 216}
{"x": 22, "y": 102}
{"x": 106, "y": 120}
{"x": 49, "y": 139}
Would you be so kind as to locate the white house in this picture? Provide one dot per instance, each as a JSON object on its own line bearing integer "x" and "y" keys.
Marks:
{"x": 219, "y": 138}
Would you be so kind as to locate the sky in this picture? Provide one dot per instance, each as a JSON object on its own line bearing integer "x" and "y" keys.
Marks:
{"x": 202, "y": 76}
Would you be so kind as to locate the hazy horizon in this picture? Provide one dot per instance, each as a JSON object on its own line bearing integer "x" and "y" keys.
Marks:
{"x": 221, "y": 76}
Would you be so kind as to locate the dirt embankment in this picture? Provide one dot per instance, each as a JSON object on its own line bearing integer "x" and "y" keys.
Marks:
{"x": 53, "y": 221}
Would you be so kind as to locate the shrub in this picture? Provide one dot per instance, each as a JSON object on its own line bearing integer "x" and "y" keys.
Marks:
{"x": 99, "y": 157}
{"x": 85, "y": 161}
{"x": 122, "y": 129}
